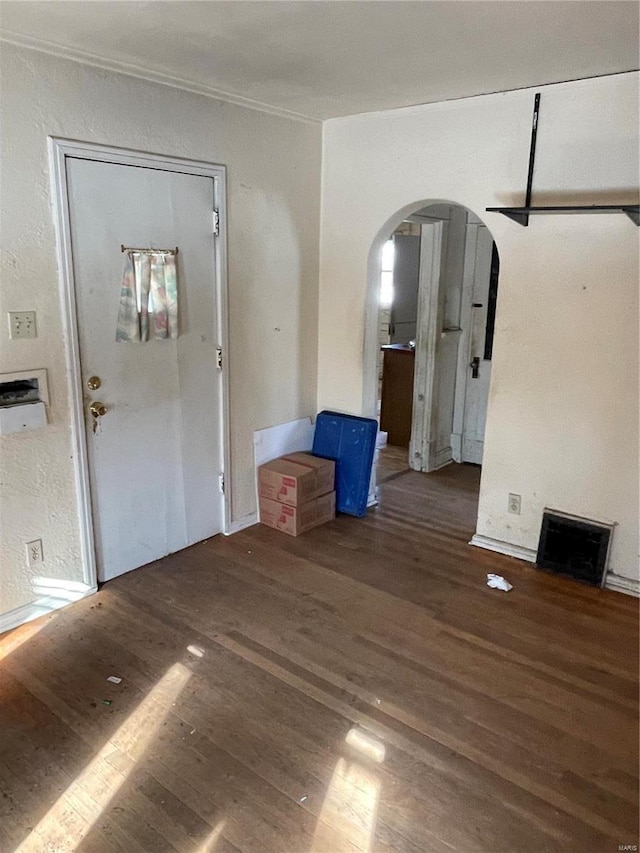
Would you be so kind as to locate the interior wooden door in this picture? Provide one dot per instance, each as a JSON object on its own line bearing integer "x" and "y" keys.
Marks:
{"x": 155, "y": 455}
{"x": 435, "y": 359}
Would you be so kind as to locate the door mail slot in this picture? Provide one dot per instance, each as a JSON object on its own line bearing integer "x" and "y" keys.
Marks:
{"x": 23, "y": 398}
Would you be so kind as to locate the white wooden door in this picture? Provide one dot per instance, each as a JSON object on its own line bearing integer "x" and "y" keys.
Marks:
{"x": 155, "y": 457}
{"x": 476, "y": 368}
{"x": 435, "y": 359}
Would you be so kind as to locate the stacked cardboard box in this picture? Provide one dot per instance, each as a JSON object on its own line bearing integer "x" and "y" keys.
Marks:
{"x": 296, "y": 492}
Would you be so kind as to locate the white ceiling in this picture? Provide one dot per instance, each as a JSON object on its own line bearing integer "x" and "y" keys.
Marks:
{"x": 324, "y": 59}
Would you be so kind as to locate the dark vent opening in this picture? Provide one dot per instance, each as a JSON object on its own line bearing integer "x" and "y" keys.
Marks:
{"x": 574, "y": 547}
{"x": 19, "y": 391}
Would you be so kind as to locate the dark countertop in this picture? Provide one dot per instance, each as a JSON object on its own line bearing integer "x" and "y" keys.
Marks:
{"x": 399, "y": 348}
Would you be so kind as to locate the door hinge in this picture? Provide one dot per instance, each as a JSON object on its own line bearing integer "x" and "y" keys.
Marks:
{"x": 216, "y": 223}
{"x": 221, "y": 482}
{"x": 219, "y": 358}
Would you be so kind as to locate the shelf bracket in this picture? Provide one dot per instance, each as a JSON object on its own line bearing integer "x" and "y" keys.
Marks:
{"x": 520, "y": 218}
{"x": 524, "y": 218}
{"x": 633, "y": 213}
{"x": 521, "y": 214}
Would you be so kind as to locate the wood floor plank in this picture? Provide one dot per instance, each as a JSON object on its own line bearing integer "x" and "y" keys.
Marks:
{"x": 356, "y": 689}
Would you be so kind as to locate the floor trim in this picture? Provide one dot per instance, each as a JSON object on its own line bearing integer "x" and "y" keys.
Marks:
{"x": 629, "y": 586}
{"x": 517, "y": 551}
{"x": 60, "y": 594}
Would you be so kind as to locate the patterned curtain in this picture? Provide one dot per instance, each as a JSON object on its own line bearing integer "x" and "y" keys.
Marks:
{"x": 148, "y": 298}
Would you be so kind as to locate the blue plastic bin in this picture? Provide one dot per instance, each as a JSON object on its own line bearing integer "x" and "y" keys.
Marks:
{"x": 351, "y": 442}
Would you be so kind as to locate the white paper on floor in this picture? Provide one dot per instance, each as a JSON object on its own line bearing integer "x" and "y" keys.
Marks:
{"x": 498, "y": 582}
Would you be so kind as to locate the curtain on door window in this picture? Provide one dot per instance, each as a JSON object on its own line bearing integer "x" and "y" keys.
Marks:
{"x": 148, "y": 298}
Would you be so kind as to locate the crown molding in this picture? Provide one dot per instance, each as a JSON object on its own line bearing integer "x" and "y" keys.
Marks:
{"x": 85, "y": 58}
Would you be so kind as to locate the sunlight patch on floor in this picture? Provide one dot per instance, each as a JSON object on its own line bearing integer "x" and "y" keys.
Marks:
{"x": 366, "y": 743}
{"x": 72, "y": 816}
{"x": 12, "y": 640}
{"x": 348, "y": 817}
{"x": 211, "y": 841}
{"x": 347, "y": 820}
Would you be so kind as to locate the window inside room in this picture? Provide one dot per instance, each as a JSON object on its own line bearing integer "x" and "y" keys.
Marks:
{"x": 386, "y": 278}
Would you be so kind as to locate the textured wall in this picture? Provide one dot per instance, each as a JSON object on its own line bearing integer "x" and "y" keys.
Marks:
{"x": 562, "y": 428}
{"x": 273, "y": 206}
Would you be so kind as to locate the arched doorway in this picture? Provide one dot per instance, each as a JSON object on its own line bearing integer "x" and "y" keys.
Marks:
{"x": 433, "y": 278}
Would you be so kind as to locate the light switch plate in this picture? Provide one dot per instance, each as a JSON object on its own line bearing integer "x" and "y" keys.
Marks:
{"x": 22, "y": 324}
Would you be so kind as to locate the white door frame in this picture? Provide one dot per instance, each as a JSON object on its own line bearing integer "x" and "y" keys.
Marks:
{"x": 59, "y": 151}
{"x": 370, "y": 346}
{"x": 422, "y": 449}
{"x": 462, "y": 374}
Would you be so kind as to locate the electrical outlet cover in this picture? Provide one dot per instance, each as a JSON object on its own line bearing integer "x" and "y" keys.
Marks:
{"x": 514, "y": 505}
{"x": 22, "y": 324}
{"x": 34, "y": 553}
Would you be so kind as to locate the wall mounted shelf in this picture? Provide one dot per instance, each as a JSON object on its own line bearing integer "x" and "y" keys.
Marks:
{"x": 521, "y": 214}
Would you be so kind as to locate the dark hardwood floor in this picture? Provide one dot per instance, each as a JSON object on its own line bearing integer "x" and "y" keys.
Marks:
{"x": 357, "y": 689}
{"x": 392, "y": 461}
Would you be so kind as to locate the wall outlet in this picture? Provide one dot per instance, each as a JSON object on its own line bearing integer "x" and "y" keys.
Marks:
{"x": 34, "y": 553}
{"x": 514, "y": 504}
{"x": 22, "y": 324}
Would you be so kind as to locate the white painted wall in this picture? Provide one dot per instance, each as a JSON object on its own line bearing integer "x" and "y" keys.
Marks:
{"x": 562, "y": 428}
{"x": 273, "y": 204}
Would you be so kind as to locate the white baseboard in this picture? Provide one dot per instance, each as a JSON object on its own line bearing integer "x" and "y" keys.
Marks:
{"x": 242, "y": 524}
{"x": 443, "y": 458}
{"x": 630, "y": 586}
{"x": 456, "y": 446}
{"x": 517, "y": 551}
{"x": 62, "y": 593}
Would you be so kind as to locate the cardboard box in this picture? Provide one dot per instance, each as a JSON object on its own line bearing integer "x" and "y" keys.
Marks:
{"x": 296, "y": 479}
{"x": 295, "y": 520}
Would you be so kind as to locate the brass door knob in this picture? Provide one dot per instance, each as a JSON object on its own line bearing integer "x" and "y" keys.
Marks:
{"x": 98, "y": 409}
{"x": 94, "y": 382}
